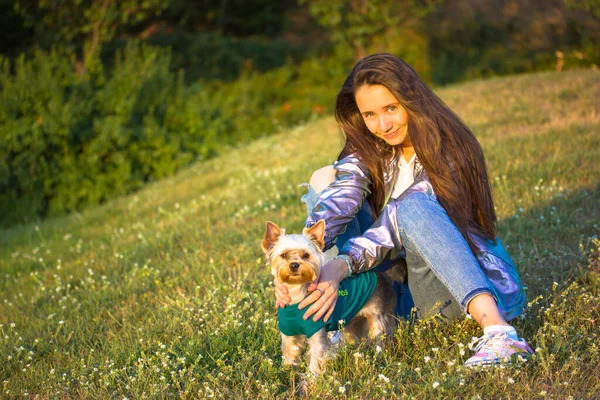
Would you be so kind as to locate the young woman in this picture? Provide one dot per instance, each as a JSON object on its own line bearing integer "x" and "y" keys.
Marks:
{"x": 410, "y": 164}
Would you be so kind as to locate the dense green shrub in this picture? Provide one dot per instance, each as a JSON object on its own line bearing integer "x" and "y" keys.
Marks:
{"x": 476, "y": 39}
{"x": 39, "y": 105}
{"x": 258, "y": 104}
{"x": 210, "y": 56}
{"x": 67, "y": 142}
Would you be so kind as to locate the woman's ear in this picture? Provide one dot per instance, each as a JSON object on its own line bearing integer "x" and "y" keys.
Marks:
{"x": 316, "y": 233}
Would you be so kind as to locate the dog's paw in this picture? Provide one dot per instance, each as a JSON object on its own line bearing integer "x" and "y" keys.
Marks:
{"x": 291, "y": 362}
{"x": 304, "y": 383}
{"x": 316, "y": 367}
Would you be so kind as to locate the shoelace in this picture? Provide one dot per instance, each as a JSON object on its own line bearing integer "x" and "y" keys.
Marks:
{"x": 495, "y": 342}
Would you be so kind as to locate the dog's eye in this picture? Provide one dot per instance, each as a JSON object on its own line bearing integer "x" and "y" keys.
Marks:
{"x": 283, "y": 255}
{"x": 305, "y": 256}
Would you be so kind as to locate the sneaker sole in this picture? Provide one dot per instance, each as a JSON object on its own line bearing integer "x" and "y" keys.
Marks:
{"x": 521, "y": 357}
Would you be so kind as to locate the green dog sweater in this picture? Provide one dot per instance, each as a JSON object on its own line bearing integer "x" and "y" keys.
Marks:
{"x": 353, "y": 294}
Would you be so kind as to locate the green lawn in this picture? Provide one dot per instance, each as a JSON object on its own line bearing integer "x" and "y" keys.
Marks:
{"x": 166, "y": 293}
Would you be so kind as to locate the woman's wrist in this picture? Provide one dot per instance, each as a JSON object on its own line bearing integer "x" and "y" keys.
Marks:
{"x": 341, "y": 268}
{"x": 347, "y": 263}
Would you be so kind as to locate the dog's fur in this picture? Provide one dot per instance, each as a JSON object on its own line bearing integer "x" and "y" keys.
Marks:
{"x": 296, "y": 261}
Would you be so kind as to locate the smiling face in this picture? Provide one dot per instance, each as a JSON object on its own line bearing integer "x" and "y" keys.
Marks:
{"x": 383, "y": 114}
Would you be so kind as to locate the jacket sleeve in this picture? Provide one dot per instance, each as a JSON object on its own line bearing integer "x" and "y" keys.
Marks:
{"x": 339, "y": 203}
{"x": 380, "y": 241}
{"x": 502, "y": 273}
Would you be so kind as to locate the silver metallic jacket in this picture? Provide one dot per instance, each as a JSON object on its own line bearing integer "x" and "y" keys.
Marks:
{"x": 339, "y": 203}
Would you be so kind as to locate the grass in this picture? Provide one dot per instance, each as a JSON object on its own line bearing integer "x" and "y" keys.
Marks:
{"x": 165, "y": 293}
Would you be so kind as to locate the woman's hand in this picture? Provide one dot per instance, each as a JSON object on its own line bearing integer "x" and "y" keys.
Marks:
{"x": 325, "y": 292}
{"x": 282, "y": 296}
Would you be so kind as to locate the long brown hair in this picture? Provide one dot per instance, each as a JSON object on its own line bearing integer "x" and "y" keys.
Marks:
{"x": 445, "y": 146}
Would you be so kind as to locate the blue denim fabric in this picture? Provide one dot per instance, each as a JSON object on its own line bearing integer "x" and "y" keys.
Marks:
{"x": 360, "y": 223}
{"x": 441, "y": 266}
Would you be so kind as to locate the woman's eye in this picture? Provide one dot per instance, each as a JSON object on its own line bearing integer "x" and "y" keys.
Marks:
{"x": 368, "y": 115}
{"x": 392, "y": 108}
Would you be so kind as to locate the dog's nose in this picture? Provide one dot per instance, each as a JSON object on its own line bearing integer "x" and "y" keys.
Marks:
{"x": 294, "y": 266}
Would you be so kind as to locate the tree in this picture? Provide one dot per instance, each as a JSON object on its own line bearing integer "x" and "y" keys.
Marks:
{"x": 591, "y": 6}
{"x": 356, "y": 23}
{"x": 84, "y": 24}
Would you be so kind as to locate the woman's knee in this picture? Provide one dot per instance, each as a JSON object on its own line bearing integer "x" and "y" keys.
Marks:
{"x": 411, "y": 205}
{"x": 322, "y": 178}
{"x": 418, "y": 210}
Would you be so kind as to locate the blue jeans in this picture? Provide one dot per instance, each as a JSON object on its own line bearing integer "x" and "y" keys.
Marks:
{"x": 443, "y": 273}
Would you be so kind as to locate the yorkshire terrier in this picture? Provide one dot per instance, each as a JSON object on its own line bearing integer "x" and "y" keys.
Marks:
{"x": 364, "y": 309}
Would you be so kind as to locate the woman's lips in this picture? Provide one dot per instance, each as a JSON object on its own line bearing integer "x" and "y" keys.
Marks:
{"x": 391, "y": 135}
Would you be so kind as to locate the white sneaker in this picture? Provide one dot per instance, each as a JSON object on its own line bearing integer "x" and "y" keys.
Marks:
{"x": 497, "y": 347}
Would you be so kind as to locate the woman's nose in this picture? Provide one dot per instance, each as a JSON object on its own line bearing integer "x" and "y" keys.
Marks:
{"x": 384, "y": 124}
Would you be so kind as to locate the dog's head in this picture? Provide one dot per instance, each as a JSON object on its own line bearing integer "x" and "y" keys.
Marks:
{"x": 295, "y": 259}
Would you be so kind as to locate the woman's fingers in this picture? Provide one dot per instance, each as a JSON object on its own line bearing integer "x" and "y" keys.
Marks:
{"x": 325, "y": 308}
{"x": 279, "y": 304}
{"x": 278, "y": 285}
{"x": 281, "y": 294}
{"x": 322, "y": 301}
{"x": 316, "y": 305}
{"x": 314, "y": 296}
{"x": 331, "y": 308}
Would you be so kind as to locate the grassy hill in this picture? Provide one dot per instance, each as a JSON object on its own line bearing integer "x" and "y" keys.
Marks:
{"x": 166, "y": 293}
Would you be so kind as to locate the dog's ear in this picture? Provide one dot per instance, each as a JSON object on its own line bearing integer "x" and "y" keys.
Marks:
{"x": 271, "y": 236}
{"x": 316, "y": 233}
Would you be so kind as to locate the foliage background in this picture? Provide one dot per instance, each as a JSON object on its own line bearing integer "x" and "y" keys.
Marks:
{"x": 154, "y": 139}
{"x": 165, "y": 292}
{"x": 98, "y": 98}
